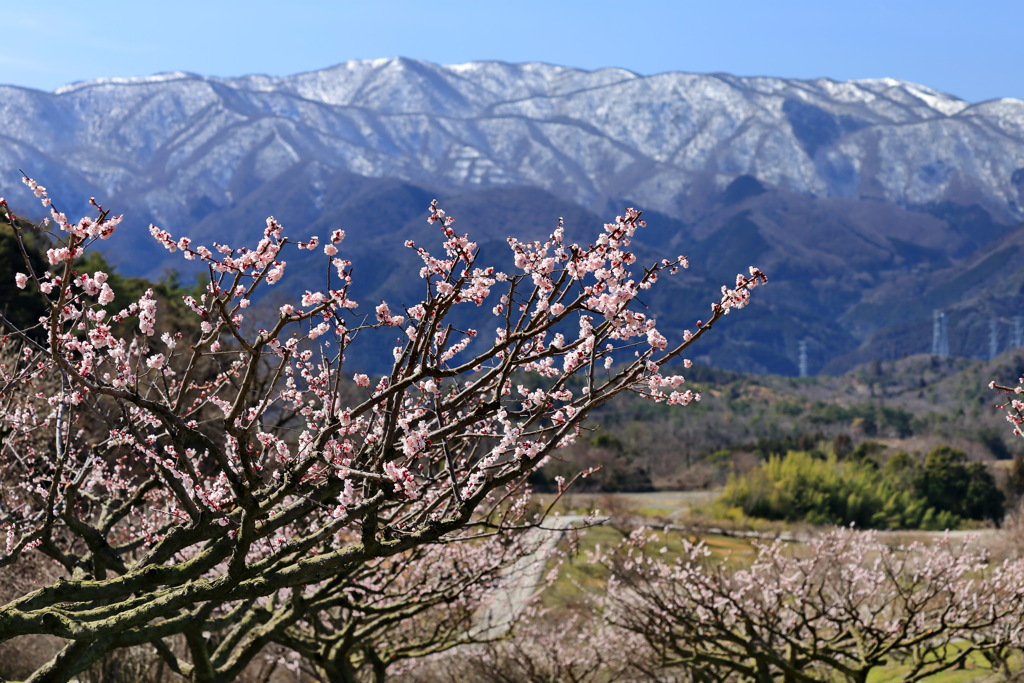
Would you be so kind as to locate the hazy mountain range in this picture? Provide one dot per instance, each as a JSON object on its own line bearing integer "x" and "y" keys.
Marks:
{"x": 869, "y": 203}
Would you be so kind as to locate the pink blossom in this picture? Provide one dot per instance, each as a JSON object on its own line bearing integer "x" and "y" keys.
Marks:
{"x": 275, "y": 273}
{"x": 164, "y": 238}
{"x": 384, "y": 316}
{"x": 147, "y": 313}
{"x": 106, "y": 295}
{"x": 656, "y": 340}
{"x": 313, "y": 298}
{"x": 404, "y": 481}
{"x": 62, "y": 254}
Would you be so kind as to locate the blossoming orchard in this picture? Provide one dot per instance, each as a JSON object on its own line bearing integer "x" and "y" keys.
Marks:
{"x": 245, "y": 491}
{"x": 840, "y": 608}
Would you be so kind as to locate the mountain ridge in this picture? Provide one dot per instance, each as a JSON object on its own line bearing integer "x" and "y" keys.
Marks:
{"x": 842, "y": 187}
{"x": 544, "y": 96}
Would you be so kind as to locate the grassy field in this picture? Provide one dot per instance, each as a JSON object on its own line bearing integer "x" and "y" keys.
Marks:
{"x": 653, "y": 508}
{"x": 975, "y": 668}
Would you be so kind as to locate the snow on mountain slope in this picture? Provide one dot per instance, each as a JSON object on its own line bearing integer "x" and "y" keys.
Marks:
{"x": 587, "y": 136}
{"x": 840, "y": 188}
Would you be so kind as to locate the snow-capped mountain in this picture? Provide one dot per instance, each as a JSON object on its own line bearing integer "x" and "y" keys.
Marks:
{"x": 891, "y": 168}
{"x": 588, "y": 136}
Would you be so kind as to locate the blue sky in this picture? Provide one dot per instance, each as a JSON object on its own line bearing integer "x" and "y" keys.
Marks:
{"x": 969, "y": 49}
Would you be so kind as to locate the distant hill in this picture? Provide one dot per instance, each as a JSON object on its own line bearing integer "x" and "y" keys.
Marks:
{"x": 870, "y": 204}
{"x": 912, "y": 405}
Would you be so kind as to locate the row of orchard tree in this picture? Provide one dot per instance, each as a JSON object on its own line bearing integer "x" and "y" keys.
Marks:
{"x": 181, "y": 479}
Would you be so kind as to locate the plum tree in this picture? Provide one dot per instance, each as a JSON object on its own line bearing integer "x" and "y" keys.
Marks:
{"x": 214, "y": 494}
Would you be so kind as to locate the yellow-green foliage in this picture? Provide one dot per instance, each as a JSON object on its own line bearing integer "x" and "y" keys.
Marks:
{"x": 801, "y": 487}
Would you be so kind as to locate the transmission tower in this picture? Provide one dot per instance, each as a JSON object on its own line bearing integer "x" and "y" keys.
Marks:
{"x": 1017, "y": 335}
{"x": 940, "y": 334}
{"x": 803, "y": 358}
{"x": 993, "y": 338}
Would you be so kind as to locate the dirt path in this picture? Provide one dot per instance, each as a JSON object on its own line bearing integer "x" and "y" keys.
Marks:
{"x": 524, "y": 578}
